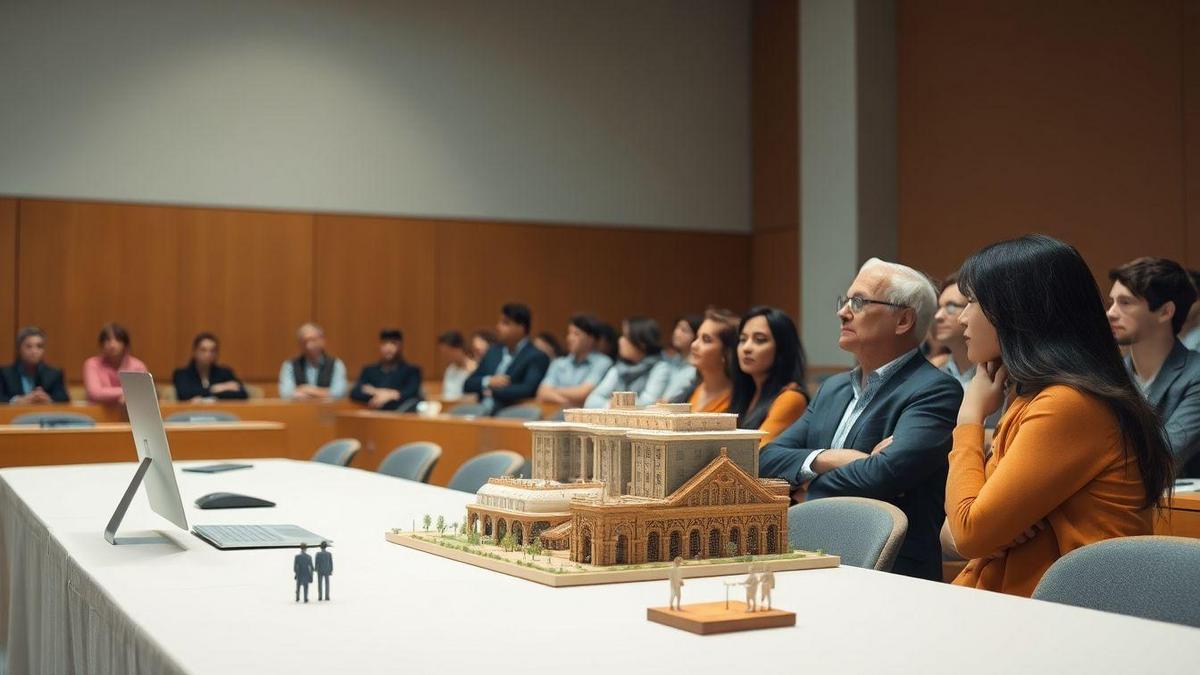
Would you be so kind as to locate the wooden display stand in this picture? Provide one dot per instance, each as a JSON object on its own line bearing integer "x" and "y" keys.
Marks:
{"x": 562, "y": 572}
{"x": 709, "y": 618}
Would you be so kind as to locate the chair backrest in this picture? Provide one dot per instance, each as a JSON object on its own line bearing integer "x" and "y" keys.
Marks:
{"x": 338, "y": 452}
{"x": 54, "y": 419}
{"x": 476, "y": 471}
{"x": 1148, "y": 577}
{"x": 521, "y": 412}
{"x": 862, "y": 532}
{"x": 414, "y": 461}
{"x": 202, "y": 416}
{"x": 469, "y": 410}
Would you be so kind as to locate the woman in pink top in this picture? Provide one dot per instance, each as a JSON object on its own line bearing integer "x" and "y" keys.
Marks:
{"x": 100, "y": 373}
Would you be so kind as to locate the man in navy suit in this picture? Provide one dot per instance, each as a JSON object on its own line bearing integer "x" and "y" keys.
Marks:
{"x": 882, "y": 430}
{"x": 512, "y": 369}
{"x": 29, "y": 380}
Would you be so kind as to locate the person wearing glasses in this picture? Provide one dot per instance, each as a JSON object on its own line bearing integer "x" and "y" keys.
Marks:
{"x": 882, "y": 430}
{"x": 949, "y": 332}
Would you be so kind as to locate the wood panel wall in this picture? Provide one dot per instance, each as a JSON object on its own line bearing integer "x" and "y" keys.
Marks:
{"x": 252, "y": 277}
{"x": 775, "y": 145}
{"x": 1077, "y": 119}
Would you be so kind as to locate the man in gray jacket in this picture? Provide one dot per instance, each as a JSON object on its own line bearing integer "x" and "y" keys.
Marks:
{"x": 1151, "y": 298}
{"x": 324, "y": 571}
{"x": 302, "y": 568}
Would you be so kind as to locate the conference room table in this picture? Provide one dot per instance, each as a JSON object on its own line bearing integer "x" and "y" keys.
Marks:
{"x": 71, "y": 602}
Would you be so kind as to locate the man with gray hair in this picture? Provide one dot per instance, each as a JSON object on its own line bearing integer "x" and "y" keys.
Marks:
{"x": 882, "y": 430}
{"x": 314, "y": 374}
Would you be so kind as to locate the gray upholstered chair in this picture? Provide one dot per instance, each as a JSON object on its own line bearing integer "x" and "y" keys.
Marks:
{"x": 862, "y": 532}
{"x": 521, "y": 412}
{"x": 338, "y": 452}
{"x": 54, "y": 419}
{"x": 202, "y": 416}
{"x": 1148, "y": 577}
{"x": 475, "y": 472}
{"x": 469, "y": 410}
{"x": 414, "y": 461}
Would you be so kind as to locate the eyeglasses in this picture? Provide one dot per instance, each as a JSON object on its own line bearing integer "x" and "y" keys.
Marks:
{"x": 858, "y": 303}
{"x": 953, "y": 308}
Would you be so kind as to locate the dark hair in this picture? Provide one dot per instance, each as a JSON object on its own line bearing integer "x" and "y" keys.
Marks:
{"x": 555, "y": 345}
{"x": 950, "y": 280}
{"x": 643, "y": 333}
{"x": 1158, "y": 281}
{"x": 28, "y": 332}
{"x": 728, "y": 335}
{"x": 788, "y": 370}
{"x": 116, "y": 331}
{"x": 391, "y": 334}
{"x": 692, "y": 320}
{"x": 608, "y": 335}
{"x": 201, "y": 337}
{"x": 1041, "y": 298}
{"x": 586, "y": 323}
{"x": 451, "y": 338}
{"x": 518, "y": 313}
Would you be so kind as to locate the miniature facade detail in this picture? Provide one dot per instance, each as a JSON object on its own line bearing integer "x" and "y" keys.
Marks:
{"x": 630, "y": 485}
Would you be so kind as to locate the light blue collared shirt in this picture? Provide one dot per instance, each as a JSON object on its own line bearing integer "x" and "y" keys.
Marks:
{"x": 506, "y": 359}
{"x": 565, "y": 371}
{"x": 682, "y": 380}
{"x": 26, "y": 382}
{"x": 337, "y": 383}
{"x": 862, "y": 398}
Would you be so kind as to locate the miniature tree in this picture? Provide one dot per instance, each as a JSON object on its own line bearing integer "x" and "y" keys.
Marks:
{"x": 426, "y": 521}
{"x": 508, "y": 543}
{"x": 441, "y": 525}
{"x": 536, "y": 546}
{"x": 730, "y": 549}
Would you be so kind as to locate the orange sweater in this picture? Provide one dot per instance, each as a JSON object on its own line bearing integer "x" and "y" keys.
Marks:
{"x": 1056, "y": 456}
{"x": 716, "y": 405}
{"x": 787, "y": 407}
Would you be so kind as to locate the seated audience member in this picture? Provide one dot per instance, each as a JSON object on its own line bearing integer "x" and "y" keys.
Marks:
{"x": 481, "y": 341}
{"x": 949, "y": 332}
{"x": 1189, "y": 334}
{"x": 460, "y": 367}
{"x": 313, "y": 374}
{"x": 606, "y": 340}
{"x": 29, "y": 380}
{"x": 513, "y": 368}
{"x": 203, "y": 377}
{"x": 768, "y": 387}
{"x": 1151, "y": 298}
{"x": 1080, "y": 455}
{"x": 548, "y": 344}
{"x": 572, "y": 377}
{"x": 640, "y": 369}
{"x": 391, "y": 382}
{"x": 714, "y": 356}
{"x": 883, "y": 430}
{"x": 683, "y": 374}
{"x": 100, "y": 373}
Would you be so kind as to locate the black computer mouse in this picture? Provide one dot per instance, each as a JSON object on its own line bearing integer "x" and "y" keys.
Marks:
{"x": 230, "y": 500}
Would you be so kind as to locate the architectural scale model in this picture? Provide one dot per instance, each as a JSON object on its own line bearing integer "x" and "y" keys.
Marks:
{"x": 628, "y": 487}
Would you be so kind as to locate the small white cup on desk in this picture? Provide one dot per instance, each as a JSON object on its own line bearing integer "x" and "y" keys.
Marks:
{"x": 429, "y": 408}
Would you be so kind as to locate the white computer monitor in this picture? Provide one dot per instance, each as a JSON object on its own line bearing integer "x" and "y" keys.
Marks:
{"x": 145, "y": 421}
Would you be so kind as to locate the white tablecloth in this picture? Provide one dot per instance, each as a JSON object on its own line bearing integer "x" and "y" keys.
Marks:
{"x": 74, "y": 603}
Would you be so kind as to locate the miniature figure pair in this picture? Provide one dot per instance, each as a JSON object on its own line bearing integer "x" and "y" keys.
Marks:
{"x": 303, "y": 567}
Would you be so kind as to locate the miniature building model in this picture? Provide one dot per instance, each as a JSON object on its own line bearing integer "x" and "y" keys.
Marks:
{"x": 629, "y": 485}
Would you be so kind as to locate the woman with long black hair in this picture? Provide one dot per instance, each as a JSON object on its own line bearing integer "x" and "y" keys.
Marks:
{"x": 1079, "y": 455}
{"x": 768, "y": 385}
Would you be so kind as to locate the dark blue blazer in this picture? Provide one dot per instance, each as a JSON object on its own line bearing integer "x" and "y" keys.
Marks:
{"x": 48, "y": 378}
{"x": 404, "y": 377}
{"x": 918, "y": 407}
{"x": 526, "y": 371}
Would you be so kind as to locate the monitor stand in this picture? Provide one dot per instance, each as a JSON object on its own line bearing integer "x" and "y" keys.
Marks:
{"x": 110, "y": 532}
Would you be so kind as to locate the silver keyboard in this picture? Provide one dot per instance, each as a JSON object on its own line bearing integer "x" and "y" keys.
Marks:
{"x": 257, "y": 536}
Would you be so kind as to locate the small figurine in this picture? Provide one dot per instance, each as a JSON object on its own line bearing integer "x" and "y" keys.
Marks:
{"x": 324, "y": 568}
{"x": 751, "y": 591}
{"x": 302, "y": 567}
{"x": 676, "y": 578}
{"x": 766, "y": 584}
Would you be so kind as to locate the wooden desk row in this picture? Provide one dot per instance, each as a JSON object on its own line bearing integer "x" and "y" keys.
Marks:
{"x": 23, "y": 445}
{"x": 1181, "y": 518}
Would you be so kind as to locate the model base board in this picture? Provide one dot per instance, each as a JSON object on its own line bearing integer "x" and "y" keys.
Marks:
{"x": 708, "y": 618}
{"x": 554, "y": 568}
